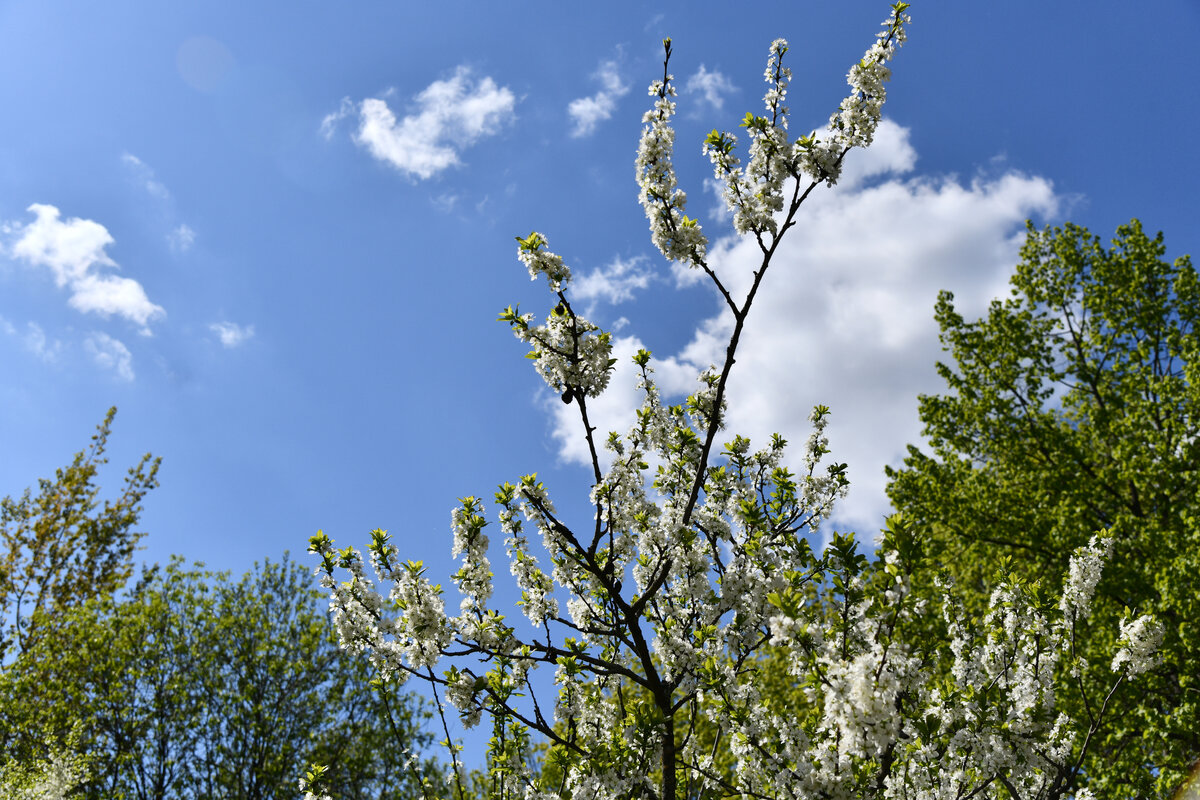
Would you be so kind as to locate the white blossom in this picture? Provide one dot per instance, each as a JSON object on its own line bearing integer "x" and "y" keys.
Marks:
{"x": 855, "y": 121}
{"x": 1139, "y": 643}
{"x": 677, "y": 236}
{"x": 1083, "y": 575}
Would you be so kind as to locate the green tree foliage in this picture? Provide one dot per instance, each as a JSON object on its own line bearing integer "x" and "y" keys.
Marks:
{"x": 1073, "y": 407}
{"x": 186, "y": 684}
{"x": 198, "y": 686}
{"x": 61, "y": 547}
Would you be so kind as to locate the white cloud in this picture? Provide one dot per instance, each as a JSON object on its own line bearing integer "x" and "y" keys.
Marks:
{"x": 891, "y": 155}
{"x": 145, "y": 176}
{"x": 712, "y": 86}
{"x": 845, "y": 316}
{"x": 447, "y": 116}
{"x": 181, "y": 239}
{"x": 74, "y": 252}
{"x": 231, "y": 334}
{"x": 588, "y": 112}
{"x": 110, "y": 353}
{"x": 614, "y": 283}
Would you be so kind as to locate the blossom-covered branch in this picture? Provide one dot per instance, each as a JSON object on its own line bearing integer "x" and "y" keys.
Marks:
{"x": 697, "y": 562}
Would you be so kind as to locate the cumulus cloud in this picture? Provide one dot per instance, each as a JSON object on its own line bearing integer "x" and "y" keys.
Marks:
{"x": 231, "y": 334}
{"x": 181, "y": 239}
{"x": 446, "y": 117}
{"x": 614, "y": 283}
{"x": 846, "y": 315}
{"x": 711, "y": 86}
{"x": 74, "y": 252}
{"x": 588, "y": 112}
{"x": 110, "y": 353}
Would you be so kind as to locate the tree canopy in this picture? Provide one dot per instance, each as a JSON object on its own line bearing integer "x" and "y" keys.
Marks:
{"x": 1073, "y": 407}
{"x": 60, "y": 547}
{"x": 194, "y": 686}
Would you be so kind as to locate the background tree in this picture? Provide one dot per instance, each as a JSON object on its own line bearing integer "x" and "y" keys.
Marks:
{"x": 285, "y": 693}
{"x": 195, "y": 686}
{"x": 61, "y": 547}
{"x": 1073, "y": 407}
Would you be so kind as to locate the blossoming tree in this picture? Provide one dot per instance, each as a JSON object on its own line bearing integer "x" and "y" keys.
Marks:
{"x": 697, "y": 559}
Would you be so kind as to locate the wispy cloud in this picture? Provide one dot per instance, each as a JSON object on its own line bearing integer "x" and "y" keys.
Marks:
{"x": 846, "y": 316}
{"x": 144, "y": 175}
{"x": 613, "y": 283}
{"x": 110, "y": 353}
{"x": 446, "y": 117}
{"x": 588, "y": 112}
{"x": 711, "y": 86}
{"x": 445, "y": 202}
{"x": 181, "y": 239}
{"x": 329, "y": 123}
{"x": 34, "y": 340}
{"x": 231, "y": 334}
{"x": 74, "y": 252}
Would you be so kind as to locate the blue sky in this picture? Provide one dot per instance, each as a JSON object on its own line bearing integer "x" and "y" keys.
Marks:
{"x": 277, "y": 237}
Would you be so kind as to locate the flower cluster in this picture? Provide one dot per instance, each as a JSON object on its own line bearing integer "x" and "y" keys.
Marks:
{"x": 855, "y": 121}
{"x": 677, "y": 236}
{"x": 541, "y": 261}
{"x": 404, "y": 632}
{"x": 755, "y": 195}
{"x": 474, "y": 578}
{"x": 571, "y": 354}
{"x": 1083, "y": 577}
{"x": 881, "y": 722}
{"x": 1138, "y": 645}
{"x": 537, "y": 601}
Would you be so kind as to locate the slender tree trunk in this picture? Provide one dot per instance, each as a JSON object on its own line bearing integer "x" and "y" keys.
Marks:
{"x": 668, "y": 754}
